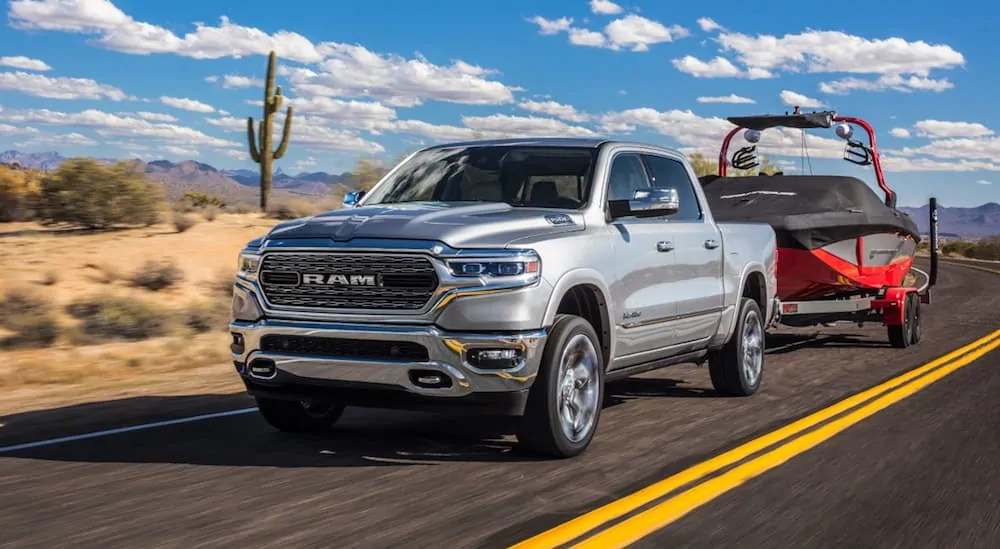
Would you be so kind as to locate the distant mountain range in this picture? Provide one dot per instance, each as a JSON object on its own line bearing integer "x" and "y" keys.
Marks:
{"x": 236, "y": 186}
{"x": 974, "y": 222}
{"x": 242, "y": 186}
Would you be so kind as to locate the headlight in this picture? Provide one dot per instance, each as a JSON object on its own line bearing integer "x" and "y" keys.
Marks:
{"x": 520, "y": 266}
{"x": 248, "y": 265}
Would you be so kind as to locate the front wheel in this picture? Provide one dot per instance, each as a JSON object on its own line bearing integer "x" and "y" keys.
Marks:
{"x": 299, "y": 416}
{"x": 564, "y": 404}
{"x": 737, "y": 368}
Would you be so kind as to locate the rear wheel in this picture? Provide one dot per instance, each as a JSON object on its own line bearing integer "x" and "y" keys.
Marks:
{"x": 907, "y": 333}
{"x": 299, "y": 416}
{"x": 915, "y": 332}
{"x": 738, "y": 368}
{"x": 564, "y": 403}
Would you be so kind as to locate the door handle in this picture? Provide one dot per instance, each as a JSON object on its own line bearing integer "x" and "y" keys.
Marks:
{"x": 711, "y": 244}
{"x": 664, "y": 246}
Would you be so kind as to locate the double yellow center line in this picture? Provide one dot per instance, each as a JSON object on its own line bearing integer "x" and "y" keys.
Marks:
{"x": 676, "y": 506}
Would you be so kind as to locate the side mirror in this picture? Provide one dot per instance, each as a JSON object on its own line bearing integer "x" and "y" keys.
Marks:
{"x": 352, "y": 198}
{"x": 651, "y": 202}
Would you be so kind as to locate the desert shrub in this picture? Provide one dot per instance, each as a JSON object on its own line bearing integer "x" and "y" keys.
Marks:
{"x": 240, "y": 208}
{"x": 987, "y": 248}
{"x": 157, "y": 275}
{"x": 183, "y": 221}
{"x": 87, "y": 193}
{"x": 209, "y": 213}
{"x": 19, "y": 189}
{"x": 111, "y": 317}
{"x": 207, "y": 317}
{"x": 201, "y": 200}
{"x": 30, "y": 317}
{"x": 292, "y": 209}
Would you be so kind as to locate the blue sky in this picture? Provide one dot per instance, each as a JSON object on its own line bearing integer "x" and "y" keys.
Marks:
{"x": 177, "y": 79}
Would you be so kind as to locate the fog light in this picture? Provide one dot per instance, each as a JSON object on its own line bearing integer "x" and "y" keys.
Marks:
{"x": 237, "y": 345}
{"x": 494, "y": 359}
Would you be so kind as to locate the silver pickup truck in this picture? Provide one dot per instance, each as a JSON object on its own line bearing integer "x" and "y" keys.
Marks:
{"x": 512, "y": 277}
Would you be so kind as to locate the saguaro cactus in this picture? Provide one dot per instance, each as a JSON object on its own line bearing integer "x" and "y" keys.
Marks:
{"x": 262, "y": 154}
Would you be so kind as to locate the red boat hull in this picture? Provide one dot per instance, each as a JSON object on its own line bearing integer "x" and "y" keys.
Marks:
{"x": 810, "y": 274}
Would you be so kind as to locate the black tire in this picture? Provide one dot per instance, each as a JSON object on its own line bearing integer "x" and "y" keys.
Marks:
{"x": 726, "y": 366}
{"x": 916, "y": 331}
{"x": 540, "y": 430}
{"x": 299, "y": 417}
{"x": 901, "y": 335}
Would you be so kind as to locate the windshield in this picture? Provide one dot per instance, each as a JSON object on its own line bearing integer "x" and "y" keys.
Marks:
{"x": 535, "y": 176}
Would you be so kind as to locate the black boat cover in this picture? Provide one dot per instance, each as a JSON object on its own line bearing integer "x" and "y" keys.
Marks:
{"x": 806, "y": 211}
{"x": 802, "y": 121}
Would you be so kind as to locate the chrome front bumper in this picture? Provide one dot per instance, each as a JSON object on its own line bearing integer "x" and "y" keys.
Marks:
{"x": 447, "y": 356}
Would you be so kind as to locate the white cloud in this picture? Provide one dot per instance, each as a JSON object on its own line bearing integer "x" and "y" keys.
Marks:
{"x": 111, "y": 125}
{"x": 303, "y": 164}
{"x": 492, "y": 126}
{"x": 719, "y": 67}
{"x": 983, "y": 148}
{"x": 940, "y": 128}
{"x": 180, "y": 151}
{"x": 901, "y": 133}
{"x": 154, "y": 116}
{"x": 793, "y": 99}
{"x": 834, "y": 51}
{"x": 551, "y": 26}
{"x": 25, "y": 63}
{"x": 884, "y": 83}
{"x": 731, "y": 98}
{"x": 211, "y": 79}
{"x": 311, "y": 132}
{"x": 983, "y": 182}
{"x": 901, "y": 64}
{"x": 346, "y": 70}
{"x": 354, "y": 71}
{"x": 239, "y": 155}
{"x": 186, "y": 104}
{"x": 118, "y": 31}
{"x": 902, "y": 164}
{"x": 350, "y": 114}
{"x": 632, "y": 31}
{"x": 58, "y": 87}
{"x": 604, "y": 7}
{"x": 707, "y": 24}
{"x": 558, "y": 110}
{"x": 704, "y": 135}
{"x": 236, "y": 81}
{"x": 7, "y": 129}
{"x": 71, "y": 139}
{"x": 502, "y": 124}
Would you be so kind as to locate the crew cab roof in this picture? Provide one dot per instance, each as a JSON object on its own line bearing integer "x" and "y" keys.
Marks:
{"x": 580, "y": 142}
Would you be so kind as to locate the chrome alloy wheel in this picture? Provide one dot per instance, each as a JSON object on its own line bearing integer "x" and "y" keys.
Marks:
{"x": 578, "y": 390}
{"x": 753, "y": 348}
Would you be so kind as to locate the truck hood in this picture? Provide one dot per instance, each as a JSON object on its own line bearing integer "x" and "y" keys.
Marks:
{"x": 459, "y": 225}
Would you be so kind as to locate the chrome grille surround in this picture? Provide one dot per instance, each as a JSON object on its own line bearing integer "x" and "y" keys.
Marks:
{"x": 400, "y": 281}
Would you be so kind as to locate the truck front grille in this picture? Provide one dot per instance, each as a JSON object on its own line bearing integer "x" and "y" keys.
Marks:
{"x": 338, "y": 280}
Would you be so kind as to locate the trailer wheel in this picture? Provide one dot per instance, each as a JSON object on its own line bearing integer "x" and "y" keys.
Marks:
{"x": 907, "y": 333}
{"x": 915, "y": 329}
{"x": 737, "y": 368}
{"x": 564, "y": 403}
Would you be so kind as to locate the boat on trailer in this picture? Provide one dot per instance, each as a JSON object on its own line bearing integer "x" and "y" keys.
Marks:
{"x": 844, "y": 253}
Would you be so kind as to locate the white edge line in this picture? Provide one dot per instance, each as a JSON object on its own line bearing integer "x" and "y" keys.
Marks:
{"x": 120, "y": 430}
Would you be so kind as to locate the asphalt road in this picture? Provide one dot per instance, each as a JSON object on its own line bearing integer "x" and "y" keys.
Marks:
{"x": 917, "y": 473}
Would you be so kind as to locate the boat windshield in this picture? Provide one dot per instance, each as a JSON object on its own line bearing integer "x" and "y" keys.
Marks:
{"x": 529, "y": 176}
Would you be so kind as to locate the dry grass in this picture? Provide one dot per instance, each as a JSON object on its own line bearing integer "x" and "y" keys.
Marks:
{"x": 98, "y": 309}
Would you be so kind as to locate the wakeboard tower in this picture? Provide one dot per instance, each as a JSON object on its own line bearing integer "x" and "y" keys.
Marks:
{"x": 844, "y": 253}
